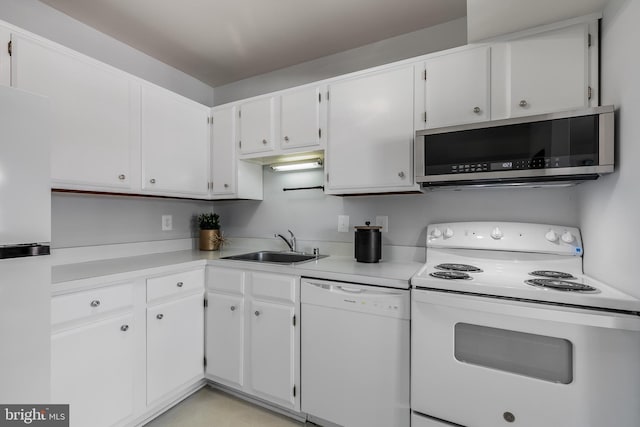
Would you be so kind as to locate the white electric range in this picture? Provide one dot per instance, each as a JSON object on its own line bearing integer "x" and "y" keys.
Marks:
{"x": 507, "y": 330}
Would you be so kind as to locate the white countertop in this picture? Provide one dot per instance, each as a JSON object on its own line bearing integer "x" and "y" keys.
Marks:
{"x": 394, "y": 274}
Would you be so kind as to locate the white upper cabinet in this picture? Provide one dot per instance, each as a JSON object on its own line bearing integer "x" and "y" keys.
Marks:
{"x": 230, "y": 177}
{"x": 542, "y": 73}
{"x": 175, "y": 144}
{"x": 94, "y": 136}
{"x": 258, "y": 125}
{"x": 224, "y": 160}
{"x": 5, "y": 59}
{"x": 300, "y": 118}
{"x": 370, "y": 133}
{"x": 454, "y": 88}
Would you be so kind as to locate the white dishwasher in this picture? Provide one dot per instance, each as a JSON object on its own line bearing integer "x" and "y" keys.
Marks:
{"x": 355, "y": 354}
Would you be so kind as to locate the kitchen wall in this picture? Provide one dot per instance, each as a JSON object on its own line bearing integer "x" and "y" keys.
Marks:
{"x": 609, "y": 207}
{"x": 439, "y": 37}
{"x": 311, "y": 215}
{"x": 47, "y": 22}
{"x": 87, "y": 220}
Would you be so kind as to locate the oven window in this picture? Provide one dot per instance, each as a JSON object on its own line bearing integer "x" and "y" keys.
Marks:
{"x": 537, "y": 356}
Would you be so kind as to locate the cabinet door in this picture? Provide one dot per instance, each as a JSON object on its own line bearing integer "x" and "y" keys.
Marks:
{"x": 175, "y": 143}
{"x": 548, "y": 71}
{"x": 224, "y": 166}
{"x": 370, "y": 133}
{"x": 95, "y": 110}
{"x": 175, "y": 345}
{"x": 257, "y": 126}
{"x": 300, "y": 118}
{"x": 457, "y": 88}
{"x": 273, "y": 350}
{"x": 92, "y": 370}
{"x": 5, "y": 59}
{"x": 225, "y": 339}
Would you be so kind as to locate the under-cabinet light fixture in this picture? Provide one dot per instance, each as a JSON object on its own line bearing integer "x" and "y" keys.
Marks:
{"x": 296, "y": 166}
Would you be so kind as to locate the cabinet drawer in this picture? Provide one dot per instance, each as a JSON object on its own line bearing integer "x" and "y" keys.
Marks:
{"x": 174, "y": 284}
{"x": 78, "y": 305}
{"x": 274, "y": 286}
{"x": 226, "y": 280}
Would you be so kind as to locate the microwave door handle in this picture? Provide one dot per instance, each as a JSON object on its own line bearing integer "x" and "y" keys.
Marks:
{"x": 529, "y": 311}
{"x": 350, "y": 290}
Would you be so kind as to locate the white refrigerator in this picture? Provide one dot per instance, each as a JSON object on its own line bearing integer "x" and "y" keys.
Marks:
{"x": 25, "y": 235}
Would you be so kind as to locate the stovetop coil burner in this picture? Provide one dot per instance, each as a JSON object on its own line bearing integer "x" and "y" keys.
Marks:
{"x": 459, "y": 267}
{"x": 550, "y": 274}
{"x": 450, "y": 275}
{"x": 561, "y": 285}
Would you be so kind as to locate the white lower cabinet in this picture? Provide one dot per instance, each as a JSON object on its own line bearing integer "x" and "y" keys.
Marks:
{"x": 93, "y": 358}
{"x": 175, "y": 333}
{"x": 225, "y": 338}
{"x": 273, "y": 351}
{"x": 253, "y": 339}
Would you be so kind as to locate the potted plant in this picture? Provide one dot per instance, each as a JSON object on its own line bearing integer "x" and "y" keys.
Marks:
{"x": 210, "y": 237}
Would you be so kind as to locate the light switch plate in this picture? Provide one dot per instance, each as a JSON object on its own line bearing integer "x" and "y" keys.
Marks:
{"x": 343, "y": 223}
{"x": 383, "y": 221}
{"x": 167, "y": 222}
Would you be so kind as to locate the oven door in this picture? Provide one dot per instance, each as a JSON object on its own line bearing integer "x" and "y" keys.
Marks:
{"x": 484, "y": 362}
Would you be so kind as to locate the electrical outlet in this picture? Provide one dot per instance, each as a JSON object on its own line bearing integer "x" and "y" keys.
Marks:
{"x": 383, "y": 221}
{"x": 343, "y": 223}
{"x": 167, "y": 222}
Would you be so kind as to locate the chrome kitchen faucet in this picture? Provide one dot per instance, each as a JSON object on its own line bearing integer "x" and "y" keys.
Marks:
{"x": 291, "y": 243}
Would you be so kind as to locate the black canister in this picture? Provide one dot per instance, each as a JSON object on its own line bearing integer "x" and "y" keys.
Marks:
{"x": 368, "y": 243}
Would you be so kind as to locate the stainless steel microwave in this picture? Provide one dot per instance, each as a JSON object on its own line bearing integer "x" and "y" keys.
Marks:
{"x": 557, "y": 148}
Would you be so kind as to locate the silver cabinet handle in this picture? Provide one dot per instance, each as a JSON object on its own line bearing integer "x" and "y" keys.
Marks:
{"x": 523, "y": 103}
{"x": 264, "y": 141}
{"x": 160, "y": 316}
{"x": 179, "y": 284}
{"x": 121, "y": 177}
{"x": 257, "y": 313}
{"x": 401, "y": 175}
{"x": 232, "y": 308}
{"x": 95, "y": 303}
{"x": 124, "y": 328}
{"x": 286, "y": 139}
{"x": 477, "y": 110}
{"x": 152, "y": 180}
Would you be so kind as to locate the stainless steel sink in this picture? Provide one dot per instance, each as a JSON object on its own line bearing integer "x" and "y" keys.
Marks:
{"x": 275, "y": 257}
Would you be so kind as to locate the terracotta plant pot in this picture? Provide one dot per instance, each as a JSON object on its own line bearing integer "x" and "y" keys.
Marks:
{"x": 209, "y": 240}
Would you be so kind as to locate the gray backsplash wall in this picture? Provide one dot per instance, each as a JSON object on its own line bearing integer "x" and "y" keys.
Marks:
{"x": 312, "y": 215}
{"x": 87, "y": 220}
{"x": 610, "y": 207}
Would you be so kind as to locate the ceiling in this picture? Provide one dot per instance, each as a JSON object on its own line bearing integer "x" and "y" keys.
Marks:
{"x": 222, "y": 41}
{"x": 490, "y": 18}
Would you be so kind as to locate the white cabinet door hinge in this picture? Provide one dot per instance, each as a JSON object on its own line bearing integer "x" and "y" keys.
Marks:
{"x": 327, "y": 95}
{"x": 589, "y": 40}
{"x": 10, "y": 47}
{"x": 320, "y": 133}
{"x": 204, "y": 362}
{"x": 294, "y": 391}
{"x": 206, "y": 304}
{"x": 424, "y": 75}
{"x": 319, "y": 97}
{"x": 294, "y": 320}
{"x": 589, "y": 93}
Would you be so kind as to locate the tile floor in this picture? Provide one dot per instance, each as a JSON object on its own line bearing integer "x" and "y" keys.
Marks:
{"x": 212, "y": 408}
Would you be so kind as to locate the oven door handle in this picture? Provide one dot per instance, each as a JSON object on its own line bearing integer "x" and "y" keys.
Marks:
{"x": 494, "y": 306}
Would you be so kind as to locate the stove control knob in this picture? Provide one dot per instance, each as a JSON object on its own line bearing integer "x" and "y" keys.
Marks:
{"x": 496, "y": 234}
{"x": 551, "y": 236}
{"x": 436, "y": 233}
{"x": 567, "y": 237}
{"x": 448, "y": 233}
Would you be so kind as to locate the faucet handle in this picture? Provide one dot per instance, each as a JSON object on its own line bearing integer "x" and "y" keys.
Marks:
{"x": 291, "y": 232}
